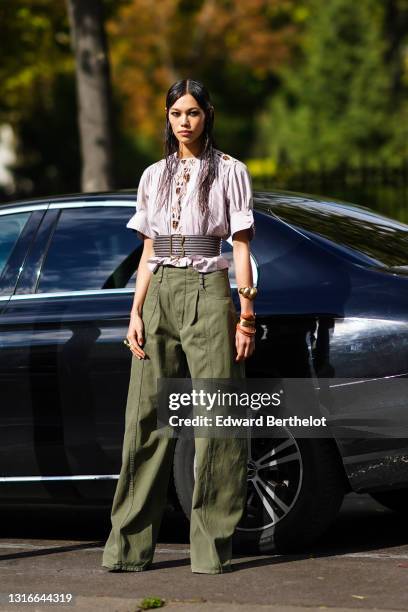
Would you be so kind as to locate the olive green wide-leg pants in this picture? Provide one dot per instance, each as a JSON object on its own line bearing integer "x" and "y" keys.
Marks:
{"x": 189, "y": 320}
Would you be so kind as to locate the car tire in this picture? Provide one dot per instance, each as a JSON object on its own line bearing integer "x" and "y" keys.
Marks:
{"x": 311, "y": 484}
{"x": 393, "y": 500}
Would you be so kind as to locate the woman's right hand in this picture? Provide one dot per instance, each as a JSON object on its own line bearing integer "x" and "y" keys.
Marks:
{"x": 135, "y": 335}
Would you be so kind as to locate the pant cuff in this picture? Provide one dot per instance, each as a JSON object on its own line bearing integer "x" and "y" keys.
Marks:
{"x": 218, "y": 570}
{"x": 127, "y": 568}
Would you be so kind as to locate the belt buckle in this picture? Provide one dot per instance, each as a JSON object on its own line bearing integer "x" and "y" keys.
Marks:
{"x": 182, "y": 245}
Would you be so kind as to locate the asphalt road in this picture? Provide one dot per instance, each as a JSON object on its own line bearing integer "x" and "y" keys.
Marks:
{"x": 362, "y": 563}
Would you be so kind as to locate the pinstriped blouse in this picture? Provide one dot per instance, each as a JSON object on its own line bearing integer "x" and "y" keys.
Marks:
{"x": 230, "y": 203}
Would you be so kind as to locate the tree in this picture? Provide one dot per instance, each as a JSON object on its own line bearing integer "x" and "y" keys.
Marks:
{"x": 36, "y": 99}
{"x": 93, "y": 93}
{"x": 234, "y": 47}
{"x": 333, "y": 107}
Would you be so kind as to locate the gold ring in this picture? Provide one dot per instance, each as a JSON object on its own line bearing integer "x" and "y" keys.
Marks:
{"x": 126, "y": 341}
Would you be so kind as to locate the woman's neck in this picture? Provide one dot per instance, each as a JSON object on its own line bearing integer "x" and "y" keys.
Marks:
{"x": 189, "y": 152}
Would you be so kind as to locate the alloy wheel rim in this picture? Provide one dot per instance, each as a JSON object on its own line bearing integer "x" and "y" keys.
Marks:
{"x": 274, "y": 480}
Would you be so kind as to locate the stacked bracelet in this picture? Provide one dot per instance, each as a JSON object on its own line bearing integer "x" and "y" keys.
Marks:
{"x": 249, "y": 316}
{"x": 245, "y": 330}
{"x": 246, "y": 324}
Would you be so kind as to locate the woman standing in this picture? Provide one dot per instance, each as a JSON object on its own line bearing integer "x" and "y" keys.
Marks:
{"x": 184, "y": 322}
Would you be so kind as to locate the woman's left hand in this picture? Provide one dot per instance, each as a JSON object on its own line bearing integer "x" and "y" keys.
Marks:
{"x": 244, "y": 344}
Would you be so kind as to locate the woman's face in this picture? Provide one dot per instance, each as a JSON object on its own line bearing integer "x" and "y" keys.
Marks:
{"x": 186, "y": 116}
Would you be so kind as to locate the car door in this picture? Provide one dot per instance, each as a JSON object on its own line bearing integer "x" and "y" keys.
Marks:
{"x": 18, "y": 228}
{"x": 70, "y": 369}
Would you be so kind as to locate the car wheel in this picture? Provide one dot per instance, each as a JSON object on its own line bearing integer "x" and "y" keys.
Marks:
{"x": 295, "y": 489}
{"x": 393, "y": 500}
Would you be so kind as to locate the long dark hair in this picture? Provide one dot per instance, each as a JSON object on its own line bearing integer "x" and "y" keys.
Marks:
{"x": 209, "y": 164}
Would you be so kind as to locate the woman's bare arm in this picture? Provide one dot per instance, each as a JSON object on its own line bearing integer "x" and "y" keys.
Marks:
{"x": 243, "y": 273}
{"x": 135, "y": 333}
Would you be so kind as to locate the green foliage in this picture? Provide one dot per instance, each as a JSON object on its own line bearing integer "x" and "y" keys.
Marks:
{"x": 334, "y": 105}
{"x": 298, "y": 85}
{"x": 152, "y": 602}
{"x": 35, "y": 47}
{"x": 38, "y": 95}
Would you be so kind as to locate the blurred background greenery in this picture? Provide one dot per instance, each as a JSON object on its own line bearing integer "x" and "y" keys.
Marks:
{"x": 311, "y": 94}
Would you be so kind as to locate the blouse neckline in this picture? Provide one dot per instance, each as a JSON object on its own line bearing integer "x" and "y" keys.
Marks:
{"x": 186, "y": 159}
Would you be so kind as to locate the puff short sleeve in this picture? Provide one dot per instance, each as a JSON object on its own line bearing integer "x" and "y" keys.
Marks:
{"x": 240, "y": 198}
{"x": 140, "y": 220}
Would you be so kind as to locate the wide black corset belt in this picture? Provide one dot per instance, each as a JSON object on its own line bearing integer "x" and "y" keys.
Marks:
{"x": 181, "y": 245}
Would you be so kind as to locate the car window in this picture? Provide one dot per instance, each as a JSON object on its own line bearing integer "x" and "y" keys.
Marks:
{"x": 11, "y": 227}
{"x": 91, "y": 248}
{"x": 380, "y": 239}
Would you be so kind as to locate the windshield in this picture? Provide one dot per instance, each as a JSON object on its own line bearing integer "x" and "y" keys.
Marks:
{"x": 383, "y": 240}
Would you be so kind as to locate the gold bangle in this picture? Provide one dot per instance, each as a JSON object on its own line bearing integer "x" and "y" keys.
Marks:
{"x": 245, "y": 323}
{"x": 248, "y": 292}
